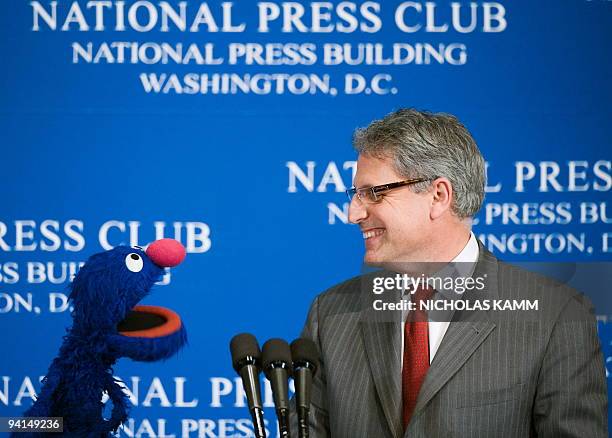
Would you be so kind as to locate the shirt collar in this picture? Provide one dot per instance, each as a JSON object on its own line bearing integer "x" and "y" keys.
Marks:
{"x": 469, "y": 253}
{"x": 463, "y": 265}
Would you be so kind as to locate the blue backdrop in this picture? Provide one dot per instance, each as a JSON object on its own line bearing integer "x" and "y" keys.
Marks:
{"x": 228, "y": 126}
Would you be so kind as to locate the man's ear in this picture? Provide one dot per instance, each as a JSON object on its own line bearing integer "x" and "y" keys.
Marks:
{"x": 442, "y": 197}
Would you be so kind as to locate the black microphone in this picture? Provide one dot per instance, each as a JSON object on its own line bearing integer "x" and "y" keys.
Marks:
{"x": 246, "y": 360}
{"x": 277, "y": 367}
{"x": 305, "y": 363}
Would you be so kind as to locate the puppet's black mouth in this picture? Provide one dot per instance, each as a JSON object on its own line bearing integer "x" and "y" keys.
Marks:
{"x": 149, "y": 322}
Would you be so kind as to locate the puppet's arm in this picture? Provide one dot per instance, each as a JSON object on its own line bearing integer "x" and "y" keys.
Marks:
{"x": 119, "y": 412}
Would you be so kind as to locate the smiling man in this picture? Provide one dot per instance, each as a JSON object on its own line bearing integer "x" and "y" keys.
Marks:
{"x": 420, "y": 180}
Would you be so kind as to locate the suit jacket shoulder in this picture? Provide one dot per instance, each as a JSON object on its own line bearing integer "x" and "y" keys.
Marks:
{"x": 556, "y": 300}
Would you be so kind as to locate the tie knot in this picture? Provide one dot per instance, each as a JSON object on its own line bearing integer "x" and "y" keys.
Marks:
{"x": 423, "y": 294}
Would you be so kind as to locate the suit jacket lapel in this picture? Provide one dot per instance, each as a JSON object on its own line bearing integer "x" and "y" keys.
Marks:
{"x": 464, "y": 335}
{"x": 382, "y": 339}
{"x": 462, "y": 338}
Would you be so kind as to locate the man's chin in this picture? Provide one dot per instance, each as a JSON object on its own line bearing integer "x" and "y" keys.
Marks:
{"x": 373, "y": 260}
{"x": 378, "y": 261}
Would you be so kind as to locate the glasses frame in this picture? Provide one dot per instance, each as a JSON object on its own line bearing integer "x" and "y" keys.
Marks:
{"x": 376, "y": 192}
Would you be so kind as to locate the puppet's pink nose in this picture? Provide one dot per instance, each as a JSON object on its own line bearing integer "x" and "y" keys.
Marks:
{"x": 166, "y": 252}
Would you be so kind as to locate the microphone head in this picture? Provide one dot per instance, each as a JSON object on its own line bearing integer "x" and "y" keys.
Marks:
{"x": 276, "y": 351}
{"x": 244, "y": 346}
{"x": 305, "y": 351}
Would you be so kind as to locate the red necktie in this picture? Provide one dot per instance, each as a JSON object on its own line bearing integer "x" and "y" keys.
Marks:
{"x": 416, "y": 354}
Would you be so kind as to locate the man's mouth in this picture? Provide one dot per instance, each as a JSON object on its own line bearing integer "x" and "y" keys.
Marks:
{"x": 373, "y": 232}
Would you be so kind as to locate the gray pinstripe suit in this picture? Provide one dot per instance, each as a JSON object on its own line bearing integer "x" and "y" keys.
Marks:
{"x": 493, "y": 375}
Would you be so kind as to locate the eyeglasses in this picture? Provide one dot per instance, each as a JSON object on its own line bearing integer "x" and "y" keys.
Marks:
{"x": 372, "y": 195}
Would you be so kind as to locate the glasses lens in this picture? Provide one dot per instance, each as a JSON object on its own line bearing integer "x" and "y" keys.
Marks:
{"x": 371, "y": 195}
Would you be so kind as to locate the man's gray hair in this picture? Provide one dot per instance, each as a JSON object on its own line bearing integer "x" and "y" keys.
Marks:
{"x": 429, "y": 145}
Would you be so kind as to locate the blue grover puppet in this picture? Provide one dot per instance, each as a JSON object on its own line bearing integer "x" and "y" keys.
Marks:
{"x": 108, "y": 324}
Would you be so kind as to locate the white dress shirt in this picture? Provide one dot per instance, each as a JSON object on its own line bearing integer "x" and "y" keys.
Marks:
{"x": 468, "y": 257}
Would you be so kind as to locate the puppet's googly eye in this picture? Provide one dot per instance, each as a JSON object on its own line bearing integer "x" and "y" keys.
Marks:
{"x": 133, "y": 262}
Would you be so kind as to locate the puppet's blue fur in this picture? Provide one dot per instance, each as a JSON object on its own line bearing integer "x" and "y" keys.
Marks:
{"x": 102, "y": 294}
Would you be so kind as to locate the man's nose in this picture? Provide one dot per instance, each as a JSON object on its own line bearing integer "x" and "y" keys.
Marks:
{"x": 357, "y": 211}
